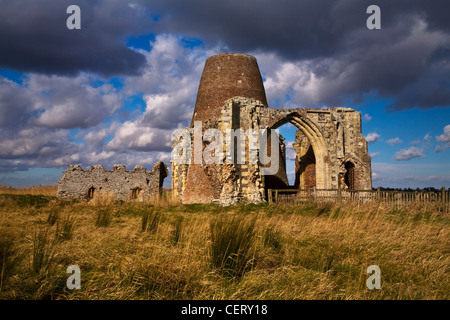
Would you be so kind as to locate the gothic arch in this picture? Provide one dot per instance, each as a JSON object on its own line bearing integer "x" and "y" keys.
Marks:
{"x": 318, "y": 143}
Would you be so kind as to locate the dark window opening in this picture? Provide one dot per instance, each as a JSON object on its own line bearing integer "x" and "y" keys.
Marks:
{"x": 135, "y": 193}
{"x": 349, "y": 178}
{"x": 91, "y": 193}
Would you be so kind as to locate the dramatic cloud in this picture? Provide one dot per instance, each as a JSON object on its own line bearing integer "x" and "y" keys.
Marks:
{"x": 170, "y": 102}
{"x": 76, "y": 100}
{"x": 169, "y": 81}
{"x": 37, "y": 39}
{"x": 13, "y": 103}
{"x": 322, "y": 51}
{"x": 72, "y": 102}
{"x": 34, "y": 113}
{"x": 394, "y": 141}
{"x": 408, "y": 154}
{"x": 372, "y": 137}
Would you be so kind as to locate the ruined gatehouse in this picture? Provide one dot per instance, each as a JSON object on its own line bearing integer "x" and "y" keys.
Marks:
{"x": 331, "y": 151}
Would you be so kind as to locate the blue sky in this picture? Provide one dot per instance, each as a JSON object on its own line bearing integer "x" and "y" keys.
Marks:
{"x": 114, "y": 91}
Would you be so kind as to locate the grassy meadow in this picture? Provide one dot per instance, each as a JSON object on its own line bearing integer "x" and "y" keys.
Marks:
{"x": 166, "y": 250}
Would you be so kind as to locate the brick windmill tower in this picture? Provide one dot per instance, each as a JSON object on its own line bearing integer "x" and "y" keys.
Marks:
{"x": 224, "y": 76}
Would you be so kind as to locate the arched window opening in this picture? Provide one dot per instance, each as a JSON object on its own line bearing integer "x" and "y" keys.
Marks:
{"x": 135, "y": 193}
{"x": 91, "y": 193}
{"x": 349, "y": 178}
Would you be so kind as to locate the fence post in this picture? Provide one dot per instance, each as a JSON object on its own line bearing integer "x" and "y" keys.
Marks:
{"x": 379, "y": 195}
{"x": 443, "y": 198}
{"x": 269, "y": 195}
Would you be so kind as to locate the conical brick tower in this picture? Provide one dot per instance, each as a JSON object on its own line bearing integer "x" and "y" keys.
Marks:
{"x": 226, "y": 76}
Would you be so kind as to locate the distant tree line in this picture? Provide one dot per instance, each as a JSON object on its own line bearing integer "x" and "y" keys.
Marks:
{"x": 428, "y": 189}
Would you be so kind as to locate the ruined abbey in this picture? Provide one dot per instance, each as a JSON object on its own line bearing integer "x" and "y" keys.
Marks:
{"x": 330, "y": 149}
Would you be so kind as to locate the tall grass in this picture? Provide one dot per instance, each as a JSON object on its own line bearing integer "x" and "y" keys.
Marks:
{"x": 232, "y": 241}
{"x": 7, "y": 258}
{"x": 210, "y": 252}
{"x": 150, "y": 221}
{"x": 104, "y": 217}
{"x": 273, "y": 238}
{"x": 178, "y": 230}
{"x": 53, "y": 216}
{"x": 43, "y": 251}
{"x": 64, "y": 228}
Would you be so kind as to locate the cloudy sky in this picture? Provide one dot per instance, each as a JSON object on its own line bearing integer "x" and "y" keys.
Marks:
{"x": 114, "y": 91}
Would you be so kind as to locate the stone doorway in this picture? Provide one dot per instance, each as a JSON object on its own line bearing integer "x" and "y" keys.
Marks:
{"x": 349, "y": 177}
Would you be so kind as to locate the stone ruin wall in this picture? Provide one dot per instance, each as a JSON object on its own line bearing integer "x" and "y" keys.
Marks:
{"x": 118, "y": 184}
{"x": 334, "y": 135}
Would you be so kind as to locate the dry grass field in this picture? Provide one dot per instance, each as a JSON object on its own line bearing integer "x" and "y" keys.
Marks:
{"x": 170, "y": 251}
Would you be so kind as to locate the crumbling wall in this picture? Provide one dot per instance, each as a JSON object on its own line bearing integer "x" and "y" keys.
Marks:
{"x": 231, "y": 96}
{"x": 118, "y": 184}
{"x": 328, "y": 140}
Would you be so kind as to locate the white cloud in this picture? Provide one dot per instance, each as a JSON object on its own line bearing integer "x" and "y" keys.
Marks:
{"x": 169, "y": 82}
{"x": 372, "y": 137}
{"x": 408, "y": 154}
{"x": 367, "y": 117}
{"x": 445, "y": 137}
{"x": 413, "y": 175}
{"x": 44, "y": 104}
{"x": 394, "y": 141}
{"x": 134, "y": 137}
{"x": 290, "y": 154}
{"x": 71, "y": 102}
{"x": 375, "y": 154}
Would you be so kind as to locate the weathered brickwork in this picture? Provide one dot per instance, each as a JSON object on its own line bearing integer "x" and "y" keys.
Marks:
{"x": 225, "y": 76}
{"x": 118, "y": 184}
{"x": 329, "y": 145}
